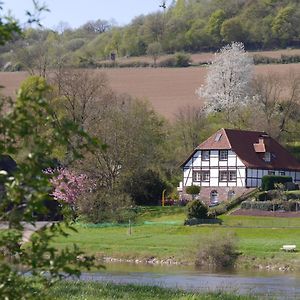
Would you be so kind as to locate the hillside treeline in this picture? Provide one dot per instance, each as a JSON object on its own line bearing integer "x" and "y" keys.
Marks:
{"x": 184, "y": 25}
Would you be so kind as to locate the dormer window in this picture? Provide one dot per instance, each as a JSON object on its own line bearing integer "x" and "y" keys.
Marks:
{"x": 267, "y": 157}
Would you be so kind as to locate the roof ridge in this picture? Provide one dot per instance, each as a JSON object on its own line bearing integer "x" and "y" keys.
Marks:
{"x": 243, "y": 130}
{"x": 225, "y": 134}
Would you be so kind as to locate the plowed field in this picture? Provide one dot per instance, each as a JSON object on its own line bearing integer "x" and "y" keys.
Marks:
{"x": 166, "y": 89}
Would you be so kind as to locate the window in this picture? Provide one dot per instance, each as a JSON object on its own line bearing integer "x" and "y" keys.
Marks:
{"x": 227, "y": 175}
{"x": 271, "y": 172}
{"x": 223, "y": 155}
{"x": 267, "y": 157}
{"x": 223, "y": 175}
{"x": 201, "y": 175}
{"x": 205, "y": 175}
{"x": 214, "y": 196}
{"x": 205, "y": 155}
{"x": 196, "y": 176}
{"x": 232, "y": 175}
{"x": 282, "y": 173}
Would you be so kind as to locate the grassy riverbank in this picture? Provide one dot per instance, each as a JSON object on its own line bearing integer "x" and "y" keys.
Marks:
{"x": 164, "y": 236}
{"x": 97, "y": 291}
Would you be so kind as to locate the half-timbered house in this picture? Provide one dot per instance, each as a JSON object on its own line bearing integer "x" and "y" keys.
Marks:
{"x": 231, "y": 161}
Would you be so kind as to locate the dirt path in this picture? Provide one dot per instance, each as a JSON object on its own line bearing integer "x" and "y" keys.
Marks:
{"x": 28, "y": 229}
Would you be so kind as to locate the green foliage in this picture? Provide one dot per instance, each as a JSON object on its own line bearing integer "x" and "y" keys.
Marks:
{"x": 79, "y": 290}
{"x": 31, "y": 125}
{"x": 214, "y": 26}
{"x": 282, "y": 26}
{"x": 103, "y": 206}
{"x": 269, "y": 181}
{"x": 188, "y": 26}
{"x": 154, "y": 50}
{"x": 145, "y": 188}
{"x": 232, "y": 30}
{"x": 272, "y": 205}
{"x": 193, "y": 190}
{"x": 197, "y": 209}
{"x": 182, "y": 59}
{"x": 263, "y": 196}
{"x": 218, "y": 250}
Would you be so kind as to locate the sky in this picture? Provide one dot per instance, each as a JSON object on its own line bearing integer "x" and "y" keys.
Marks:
{"x": 78, "y": 12}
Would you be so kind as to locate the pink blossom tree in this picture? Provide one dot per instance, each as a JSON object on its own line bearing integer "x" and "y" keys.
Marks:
{"x": 68, "y": 185}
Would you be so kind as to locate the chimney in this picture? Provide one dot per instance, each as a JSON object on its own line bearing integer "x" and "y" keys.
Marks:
{"x": 262, "y": 144}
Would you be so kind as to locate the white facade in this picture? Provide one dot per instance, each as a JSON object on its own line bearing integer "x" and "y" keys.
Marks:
{"x": 215, "y": 168}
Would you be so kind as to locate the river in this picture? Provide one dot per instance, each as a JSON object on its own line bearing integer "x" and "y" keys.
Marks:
{"x": 266, "y": 285}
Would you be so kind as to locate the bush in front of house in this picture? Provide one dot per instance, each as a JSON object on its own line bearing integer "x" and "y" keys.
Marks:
{"x": 218, "y": 249}
{"x": 193, "y": 190}
{"x": 275, "y": 194}
{"x": 197, "y": 209}
{"x": 268, "y": 181}
{"x": 273, "y": 205}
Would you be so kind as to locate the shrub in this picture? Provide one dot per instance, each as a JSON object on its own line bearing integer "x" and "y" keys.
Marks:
{"x": 168, "y": 62}
{"x": 263, "y": 196}
{"x": 179, "y": 60}
{"x": 104, "y": 206}
{"x": 197, "y": 209}
{"x": 182, "y": 60}
{"x": 218, "y": 249}
{"x": 268, "y": 181}
{"x": 193, "y": 190}
{"x": 292, "y": 195}
{"x": 273, "y": 205}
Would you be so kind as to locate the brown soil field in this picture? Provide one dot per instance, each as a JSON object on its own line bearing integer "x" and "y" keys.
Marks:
{"x": 261, "y": 213}
{"x": 167, "y": 89}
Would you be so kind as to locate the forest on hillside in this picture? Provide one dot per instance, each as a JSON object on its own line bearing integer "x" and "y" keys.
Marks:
{"x": 182, "y": 26}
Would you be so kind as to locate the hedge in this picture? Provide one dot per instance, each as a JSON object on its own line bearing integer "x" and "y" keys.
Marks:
{"x": 273, "y": 205}
{"x": 274, "y": 194}
{"x": 268, "y": 181}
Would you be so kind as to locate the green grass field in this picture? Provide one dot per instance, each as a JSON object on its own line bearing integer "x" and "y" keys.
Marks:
{"x": 93, "y": 291}
{"x": 161, "y": 239}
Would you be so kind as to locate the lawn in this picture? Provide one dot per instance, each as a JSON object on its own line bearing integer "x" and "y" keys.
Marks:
{"x": 165, "y": 237}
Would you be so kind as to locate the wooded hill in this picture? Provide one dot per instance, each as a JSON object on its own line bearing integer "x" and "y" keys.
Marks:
{"x": 183, "y": 25}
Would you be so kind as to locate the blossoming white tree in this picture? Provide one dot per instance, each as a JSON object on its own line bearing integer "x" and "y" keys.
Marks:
{"x": 227, "y": 85}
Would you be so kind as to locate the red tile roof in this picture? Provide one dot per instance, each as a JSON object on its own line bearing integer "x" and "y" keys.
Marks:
{"x": 250, "y": 147}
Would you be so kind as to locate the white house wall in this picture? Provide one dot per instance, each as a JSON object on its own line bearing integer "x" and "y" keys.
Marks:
{"x": 214, "y": 165}
{"x": 254, "y": 176}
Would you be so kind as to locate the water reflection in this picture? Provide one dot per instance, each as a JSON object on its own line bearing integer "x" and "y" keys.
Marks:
{"x": 266, "y": 284}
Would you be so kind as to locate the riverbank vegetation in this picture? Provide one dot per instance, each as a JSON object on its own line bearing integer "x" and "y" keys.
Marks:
{"x": 78, "y": 290}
